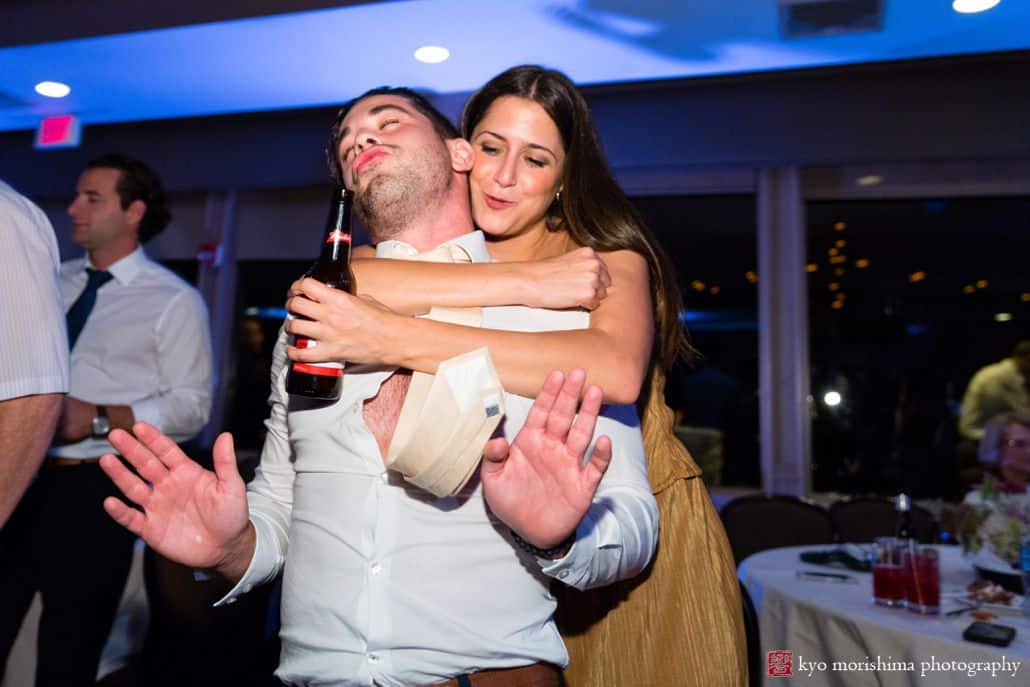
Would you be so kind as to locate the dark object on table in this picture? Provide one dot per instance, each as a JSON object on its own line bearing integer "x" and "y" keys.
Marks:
{"x": 863, "y": 520}
{"x": 757, "y": 523}
{"x": 839, "y": 578}
{"x": 1012, "y": 581}
{"x": 836, "y": 558}
{"x": 989, "y": 633}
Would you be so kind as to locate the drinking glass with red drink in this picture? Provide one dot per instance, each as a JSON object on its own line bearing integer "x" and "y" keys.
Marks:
{"x": 922, "y": 579}
{"x": 887, "y": 561}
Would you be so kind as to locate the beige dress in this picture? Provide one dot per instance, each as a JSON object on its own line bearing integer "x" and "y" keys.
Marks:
{"x": 679, "y": 622}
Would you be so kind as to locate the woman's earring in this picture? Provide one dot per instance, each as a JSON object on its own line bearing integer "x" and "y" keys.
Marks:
{"x": 557, "y": 196}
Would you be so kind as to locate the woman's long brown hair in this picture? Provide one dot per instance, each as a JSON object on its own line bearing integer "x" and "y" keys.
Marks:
{"x": 592, "y": 208}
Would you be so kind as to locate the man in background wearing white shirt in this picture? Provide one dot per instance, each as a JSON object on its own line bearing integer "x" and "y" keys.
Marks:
{"x": 140, "y": 350}
{"x": 33, "y": 354}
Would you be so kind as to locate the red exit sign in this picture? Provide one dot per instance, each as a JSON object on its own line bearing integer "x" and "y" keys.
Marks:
{"x": 63, "y": 131}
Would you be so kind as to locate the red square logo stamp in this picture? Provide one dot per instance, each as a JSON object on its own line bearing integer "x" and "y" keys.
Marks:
{"x": 779, "y": 663}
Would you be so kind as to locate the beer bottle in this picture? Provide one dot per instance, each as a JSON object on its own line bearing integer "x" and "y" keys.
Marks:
{"x": 903, "y": 522}
{"x": 325, "y": 380}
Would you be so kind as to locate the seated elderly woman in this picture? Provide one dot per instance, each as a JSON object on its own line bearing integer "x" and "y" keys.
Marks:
{"x": 1006, "y": 444}
{"x": 1005, "y": 453}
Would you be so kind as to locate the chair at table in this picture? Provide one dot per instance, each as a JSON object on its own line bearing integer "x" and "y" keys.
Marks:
{"x": 864, "y": 519}
{"x": 754, "y": 644}
{"x": 756, "y": 523}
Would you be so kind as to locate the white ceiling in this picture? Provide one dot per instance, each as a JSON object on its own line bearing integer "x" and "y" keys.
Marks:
{"x": 323, "y": 57}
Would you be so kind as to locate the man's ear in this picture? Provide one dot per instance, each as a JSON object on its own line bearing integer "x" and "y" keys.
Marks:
{"x": 462, "y": 155}
{"x": 134, "y": 213}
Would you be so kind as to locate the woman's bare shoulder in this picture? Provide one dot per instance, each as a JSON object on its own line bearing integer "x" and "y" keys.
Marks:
{"x": 625, "y": 260}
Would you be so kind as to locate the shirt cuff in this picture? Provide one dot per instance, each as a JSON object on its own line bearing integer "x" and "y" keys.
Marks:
{"x": 148, "y": 410}
{"x": 264, "y": 565}
{"x": 578, "y": 565}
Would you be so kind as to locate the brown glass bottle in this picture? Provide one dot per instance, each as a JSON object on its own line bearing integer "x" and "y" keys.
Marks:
{"x": 324, "y": 380}
{"x": 903, "y": 523}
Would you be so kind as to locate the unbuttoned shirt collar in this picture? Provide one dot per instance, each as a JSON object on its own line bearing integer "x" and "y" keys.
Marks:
{"x": 473, "y": 243}
{"x": 125, "y": 269}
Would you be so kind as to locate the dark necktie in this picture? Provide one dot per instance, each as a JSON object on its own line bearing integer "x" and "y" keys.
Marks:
{"x": 83, "y": 305}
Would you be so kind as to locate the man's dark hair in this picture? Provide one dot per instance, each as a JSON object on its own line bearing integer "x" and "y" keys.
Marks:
{"x": 1022, "y": 349}
{"x": 137, "y": 181}
{"x": 443, "y": 126}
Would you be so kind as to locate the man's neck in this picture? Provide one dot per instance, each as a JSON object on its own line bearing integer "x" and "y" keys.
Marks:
{"x": 102, "y": 258}
{"x": 442, "y": 220}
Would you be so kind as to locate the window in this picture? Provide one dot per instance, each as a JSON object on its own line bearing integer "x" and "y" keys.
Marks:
{"x": 907, "y": 298}
{"x": 712, "y": 243}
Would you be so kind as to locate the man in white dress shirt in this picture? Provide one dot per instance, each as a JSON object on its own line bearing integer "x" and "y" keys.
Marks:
{"x": 385, "y": 584}
{"x": 33, "y": 354}
{"x": 140, "y": 350}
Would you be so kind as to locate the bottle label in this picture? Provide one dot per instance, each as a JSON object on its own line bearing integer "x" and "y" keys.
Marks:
{"x": 320, "y": 369}
{"x": 328, "y": 369}
{"x": 337, "y": 235}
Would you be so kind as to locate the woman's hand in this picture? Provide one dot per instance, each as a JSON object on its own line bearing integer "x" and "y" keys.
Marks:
{"x": 342, "y": 327}
{"x": 577, "y": 279}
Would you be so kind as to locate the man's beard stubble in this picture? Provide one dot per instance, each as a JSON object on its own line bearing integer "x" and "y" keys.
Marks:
{"x": 394, "y": 201}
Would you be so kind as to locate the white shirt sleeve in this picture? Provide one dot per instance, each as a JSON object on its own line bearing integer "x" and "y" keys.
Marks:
{"x": 617, "y": 537}
{"x": 182, "y": 405}
{"x": 270, "y": 493}
{"x": 34, "y": 353}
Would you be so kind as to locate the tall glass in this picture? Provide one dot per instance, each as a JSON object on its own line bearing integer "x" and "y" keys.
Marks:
{"x": 922, "y": 579}
{"x": 887, "y": 560}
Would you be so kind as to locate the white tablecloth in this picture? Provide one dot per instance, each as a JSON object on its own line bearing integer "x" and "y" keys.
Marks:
{"x": 837, "y": 636}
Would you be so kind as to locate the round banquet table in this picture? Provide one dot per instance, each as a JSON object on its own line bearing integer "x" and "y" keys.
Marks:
{"x": 836, "y": 635}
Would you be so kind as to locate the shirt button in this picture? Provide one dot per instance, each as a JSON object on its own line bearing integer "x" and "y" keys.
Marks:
{"x": 373, "y": 658}
{"x": 563, "y": 574}
{"x": 376, "y": 568}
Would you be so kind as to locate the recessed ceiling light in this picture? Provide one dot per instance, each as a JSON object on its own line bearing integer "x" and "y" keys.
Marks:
{"x": 53, "y": 89}
{"x": 973, "y": 6}
{"x": 869, "y": 180}
{"x": 432, "y": 54}
{"x": 1002, "y": 317}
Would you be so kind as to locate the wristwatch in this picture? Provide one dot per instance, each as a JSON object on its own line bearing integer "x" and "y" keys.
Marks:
{"x": 101, "y": 425}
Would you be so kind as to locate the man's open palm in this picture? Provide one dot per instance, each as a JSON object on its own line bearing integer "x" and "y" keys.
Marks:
{"x": 189, "y": 514}
{"x": 538, "y": 485}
